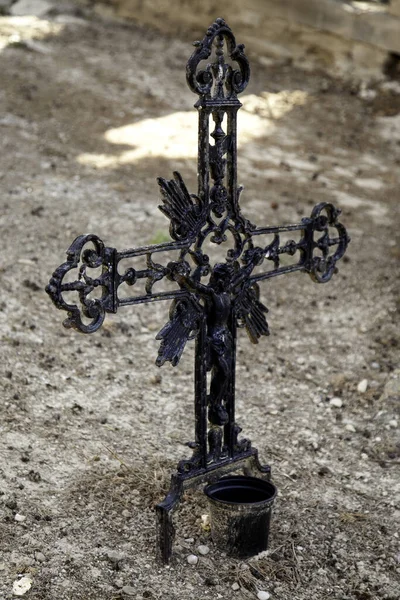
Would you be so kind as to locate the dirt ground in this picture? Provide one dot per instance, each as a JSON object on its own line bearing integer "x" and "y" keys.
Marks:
{"x": 91, "y": 113}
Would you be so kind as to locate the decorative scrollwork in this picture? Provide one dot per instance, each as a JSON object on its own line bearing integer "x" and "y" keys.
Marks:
{"x": 321, "y": 268}
{"x": 227, "y": 82}
{"x": 91, "y": 308}
{"x": 218, "y": 193}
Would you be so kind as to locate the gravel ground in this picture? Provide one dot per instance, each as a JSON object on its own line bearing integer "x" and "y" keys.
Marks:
{"x": 91, "y": 113}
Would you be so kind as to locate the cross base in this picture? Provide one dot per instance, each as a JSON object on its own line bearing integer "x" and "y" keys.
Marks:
{"x": 248, "y": 462}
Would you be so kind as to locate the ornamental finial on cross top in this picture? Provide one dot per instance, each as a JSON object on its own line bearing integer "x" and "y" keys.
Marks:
{"x": 209, "y": 301}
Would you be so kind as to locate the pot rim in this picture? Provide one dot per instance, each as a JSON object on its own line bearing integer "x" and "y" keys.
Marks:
{"x": 258, "y": 484}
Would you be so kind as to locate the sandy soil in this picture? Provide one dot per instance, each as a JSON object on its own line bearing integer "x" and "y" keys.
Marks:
{"x": 91, "y": 112}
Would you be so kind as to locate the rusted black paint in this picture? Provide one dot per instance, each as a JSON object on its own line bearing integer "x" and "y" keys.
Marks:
{"x": 209, "y": 311}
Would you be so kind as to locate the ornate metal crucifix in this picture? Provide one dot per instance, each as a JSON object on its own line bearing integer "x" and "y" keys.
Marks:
{"x": 209, "y": 301}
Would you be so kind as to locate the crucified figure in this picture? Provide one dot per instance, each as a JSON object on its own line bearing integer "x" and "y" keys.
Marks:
{"x": 220, "y": 296}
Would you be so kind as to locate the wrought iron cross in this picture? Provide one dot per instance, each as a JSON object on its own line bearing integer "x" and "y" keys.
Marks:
{"x": 210, "y": 301}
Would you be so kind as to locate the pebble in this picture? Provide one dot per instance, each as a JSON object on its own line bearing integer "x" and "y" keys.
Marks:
{"x": 362, "y": 386}
{"x": 202, "y": 549}
{"x": 350, "y": 427}
{"x": 235, "y": 586}
{"x": 21, "y": 586}
{"x": 336, "y": 402}
{"x": 20, "y": 518}
{"x": 192, "y": 559}
{"x": 393, "y": 423}
{"x": 205, "y": 522}
{"x": 40, "y": 556}
{"x": 367, "y": 94}
{"x": 128, "y": 590}
{"x": 114, "y": 556}
{"x": 375, "y": 365}
{"x": 189, "y": 540}
{"x": 263, "y": 595}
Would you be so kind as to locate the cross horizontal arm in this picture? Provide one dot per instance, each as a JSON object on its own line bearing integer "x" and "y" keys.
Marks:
{"x": 280, "y": 228}
{"x": 89, "y": 316}
{"x": 165, "y": 247}
{"x": 313, "y": 246}
{"x": 275, "y": 272}
{"x": 145, "y": 299}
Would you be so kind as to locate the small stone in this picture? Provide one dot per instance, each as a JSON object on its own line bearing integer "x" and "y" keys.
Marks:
{"x": 114, "y": 556}
{"x": 263, "y": 595}
{"x": 189, "y": 540}
{"x": 21, "y": 586}
{"x": 20, "y": 518}
{"x": 202, "y": 549}
{"x": 205, "y": 522}
{"x": 393, "y": 423}
{"x": 128, "y": 590}
{"x": 192, "y": 559}
{"x": 40, "y": 556}
{"x": 235, "y": 586}
{"x": 375, "y": 365}
{"x": 336, "y": 402}
{"x": 367, "y": 94}
{"x": 362, "y": 386}
{"x": 126, "y": 513}
{"x": 350, "y": 427}
{"x": 301, "y": 360}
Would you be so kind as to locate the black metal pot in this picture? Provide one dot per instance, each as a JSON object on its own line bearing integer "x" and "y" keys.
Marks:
{"x": 240, "y": 511}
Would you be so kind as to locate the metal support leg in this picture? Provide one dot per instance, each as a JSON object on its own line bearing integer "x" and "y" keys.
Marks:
{"x": 164, "y": 524}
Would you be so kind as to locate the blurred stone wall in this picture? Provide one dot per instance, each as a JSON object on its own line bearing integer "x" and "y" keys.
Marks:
{"x": 394, "y": 8}
{"x": 347, "y": 38}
